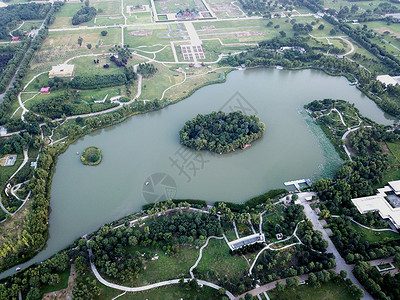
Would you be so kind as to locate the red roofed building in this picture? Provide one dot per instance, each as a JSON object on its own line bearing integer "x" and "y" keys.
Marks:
{"x": 45, "y": 90}
{"x": 15, "y": 38}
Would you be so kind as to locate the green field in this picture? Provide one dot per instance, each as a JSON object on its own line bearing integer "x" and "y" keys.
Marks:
{"x": 328, "y": 291}
{"x": 172, "y": 292}
{"x": 217, "y": 263}
{"x": 373, "y": 236}
{"x": 165, "y": 267}
{"x": 63, "y": 284}
{"x": 395, "y": 149}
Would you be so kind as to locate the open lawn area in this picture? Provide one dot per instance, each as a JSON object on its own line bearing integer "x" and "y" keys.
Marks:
{"x": 6, "y": 172}
{"x": 58, "y": 47}
{"x": 217, "y": 263}
{"x": 395, "y": 149}
{"x": 198, "y": 78}
{"x": 63, "y": 284}
{"x": 172, "y": 292}
{"x": 154, "y": 86}
{"x": 165, "y": 267}
{"x": 328, "y": 291}
{"x": 374, "y": 236}
{"x": 65, "y": 14}
{"x": 149, "y": 35}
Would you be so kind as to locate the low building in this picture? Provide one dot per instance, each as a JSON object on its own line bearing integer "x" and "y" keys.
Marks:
{"x": 62, "y": 70}
{"x": 380, "y": 203}
{"x": 387, "y": 79}
{"x": 395, "y": 186}
{"x": 15, "y": 38}
{"x": 248, "y": 240}
{"x": 45, "y": 90}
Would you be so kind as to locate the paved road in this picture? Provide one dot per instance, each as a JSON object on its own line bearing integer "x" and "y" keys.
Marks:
{"x": 19, "y": 66}
{"x": 340, "y": 262}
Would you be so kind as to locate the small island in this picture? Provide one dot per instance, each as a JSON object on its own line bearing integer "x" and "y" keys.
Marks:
{"x": 91, "y": 156}
{"x": 220, "y": 132}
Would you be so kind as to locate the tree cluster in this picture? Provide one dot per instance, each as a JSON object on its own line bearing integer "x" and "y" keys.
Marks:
{"x": 220, "y": 132}
{"x": 146, "y": 69}
{"x": 381, "y": 287}
{"x": 83, "y": 15}
{"x": 350, "y": 243}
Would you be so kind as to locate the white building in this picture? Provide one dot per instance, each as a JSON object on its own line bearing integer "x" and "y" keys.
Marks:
{"x": 387, "y": 79}
{"x": 380, "y": 204}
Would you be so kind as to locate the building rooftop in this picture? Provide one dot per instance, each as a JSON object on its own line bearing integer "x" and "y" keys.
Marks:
{"x": 395, "y": 185}
{"x": 380, "y": 204}
{"x": 387, "y": 79}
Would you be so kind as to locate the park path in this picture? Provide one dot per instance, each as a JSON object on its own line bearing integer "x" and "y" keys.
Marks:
{"x": 276, "y": 249}
{"x": 149, "y": 286}
{"x": 340, "y": 262}
{"x": 201, "y": 253}
{"x": 345, "y": 136}
{"x": 366, "y": 227}
{"x": 268, "y": 286}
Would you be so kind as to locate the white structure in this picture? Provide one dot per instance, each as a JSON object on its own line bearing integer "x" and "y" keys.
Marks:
{"x": 248, "y": 240}
{"x": 380, "y": 204}
{"x": 62, "y": 70}
{"x": 386, "y": 79}
{"x": 395, "y": 186}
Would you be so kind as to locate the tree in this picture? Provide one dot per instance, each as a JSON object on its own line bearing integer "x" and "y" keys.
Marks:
{"x": 221, "y": 291}
{"x": 104, "y": 33}
{"x": 89, "y": 46}
{"x": 282, "y": 33}
{"x": 312, "y": 280}
{"x": 280, "y": 287}
{"x": 321, "y": 27}
{"x": 80, "y": 40}
{"x": 343, "y": 274}
{"x": 87, "y": 3}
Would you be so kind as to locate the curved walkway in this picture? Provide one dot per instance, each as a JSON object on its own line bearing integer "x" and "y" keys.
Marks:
{"x": 150, "y": 286}
{"x": 201, "y": 253}
{"x": 366, "y": 227}
{"x": 345, "y": 136}
{"x": 278, "y": 249}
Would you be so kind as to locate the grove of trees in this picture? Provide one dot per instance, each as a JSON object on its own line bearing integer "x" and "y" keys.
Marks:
{"x": 220, "y": 132}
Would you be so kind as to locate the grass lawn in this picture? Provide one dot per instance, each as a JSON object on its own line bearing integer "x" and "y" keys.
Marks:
{"x": 108, "y": 7}
{"x": 154, "y": 86}
{"x": 373, "y": 236}
{"x": 395, "y": 149}
{"x": 158, "y": 35}
{"x": 217, "y": 263}
{"x": 63, "y": 284}
{"x": 171, "y": 292}
{"x": 6, "y": 172}
{"x": 99, "y": 94}
{"x": 165, "y": 267}
{"x": 86, "y": 66}
{"x": 328, "y": 291}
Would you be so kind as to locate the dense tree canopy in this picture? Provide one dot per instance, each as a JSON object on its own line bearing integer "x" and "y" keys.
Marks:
{"x": 220, "y": 132}
{"x": 85, "y": 14}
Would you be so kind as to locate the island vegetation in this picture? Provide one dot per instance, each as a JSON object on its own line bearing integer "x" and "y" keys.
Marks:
{"x": 91, "y": 156}
{"x": 220, "y": 132}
